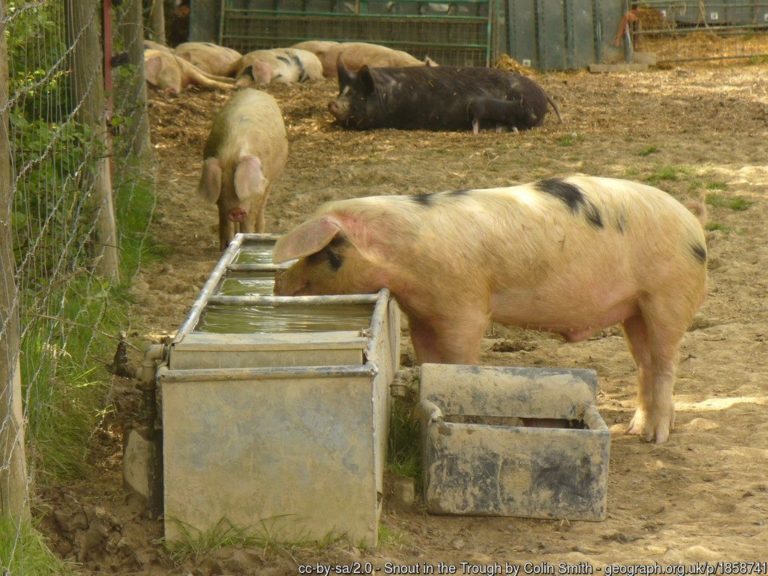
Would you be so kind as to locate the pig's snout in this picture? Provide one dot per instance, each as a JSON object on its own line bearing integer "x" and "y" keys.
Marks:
{"x": 288, "y": 284}
{"x": 339, "y": 109}
{"x": 237, "y": 214}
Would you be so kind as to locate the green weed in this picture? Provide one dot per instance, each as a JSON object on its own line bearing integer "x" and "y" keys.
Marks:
{"x": 716, "y": 227}
{"x": 196, "y": 545}
{"x": 568, "y": 139}
{"x": 389, "y": 537}
{"x": 736, "y": 203}
{"x": 666, "y": 174}
{"x": 23, "y": 550}
{"x": 404, "y": 455}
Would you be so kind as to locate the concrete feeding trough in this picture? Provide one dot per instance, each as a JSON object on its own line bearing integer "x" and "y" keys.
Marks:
{"x": 513, "y": 442}
{"x": 275, "y": 409}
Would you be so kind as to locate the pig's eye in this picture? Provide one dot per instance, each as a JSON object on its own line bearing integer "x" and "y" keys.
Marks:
{"x": 334, "y": 259}
{"x": 327, "y": 255}
{"x": 332, "y": 253}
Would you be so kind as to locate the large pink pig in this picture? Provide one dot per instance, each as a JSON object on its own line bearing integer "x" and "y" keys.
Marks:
{"x": 358, "y": 54}
{"x": 167, "y": 72}
{"x": 245, "y": 153}
{"x": 569, "y": 256}
{"x": 210, "y": 57}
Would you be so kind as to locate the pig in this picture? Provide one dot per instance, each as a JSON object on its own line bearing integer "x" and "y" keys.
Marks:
{"x": 210, "y": 58}
{"x": 499, "y": 113}
{"x": 287, "y": 65}
{"x": 245, "y": 153}
{"x": 565, "y": 255}
{"x": 320, "y": 48}
{"x": 432, "y": 98}
{"x": 152, "y": 45}
{"x": 166, "y": 71}
{"x": 359, "y": 54}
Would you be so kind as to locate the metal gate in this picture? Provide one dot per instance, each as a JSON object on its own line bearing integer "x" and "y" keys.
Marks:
{"x": 459, "y": 32}
{"x": 680, "y": 31}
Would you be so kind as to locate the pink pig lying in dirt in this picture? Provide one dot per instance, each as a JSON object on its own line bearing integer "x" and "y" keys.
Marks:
{"x": 245, "y": 153}
{"x": 169, "y": 73}
{"x": 570, "y": 256}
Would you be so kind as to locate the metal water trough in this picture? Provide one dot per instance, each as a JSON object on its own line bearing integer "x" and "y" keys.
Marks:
{"x": 513, "y": 442}
{"x": 280, "y": 429}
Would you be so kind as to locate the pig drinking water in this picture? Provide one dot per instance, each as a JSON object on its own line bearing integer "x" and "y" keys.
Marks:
{"x": 433, "y": 98}
{"x": 245, "y": 153}
{"x": 570, "y": 256}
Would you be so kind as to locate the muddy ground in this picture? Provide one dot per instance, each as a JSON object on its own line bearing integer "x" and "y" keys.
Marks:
{"x": 700, "y": 497}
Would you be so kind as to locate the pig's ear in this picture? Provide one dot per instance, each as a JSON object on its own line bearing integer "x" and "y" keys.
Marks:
{"x": 152, "y": 67}
{"x": 305, "y": 239}
{"x": 365, "y": 79}
{"x": 210, "y": 180}
{"x": 249, "y": 178}
{"x": 346, "y": 76}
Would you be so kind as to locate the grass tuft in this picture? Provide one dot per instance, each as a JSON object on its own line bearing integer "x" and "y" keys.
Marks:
{"x": 736, "y": 203}
{"x": 196, "y": 545}
{"x": 23, "y": 550}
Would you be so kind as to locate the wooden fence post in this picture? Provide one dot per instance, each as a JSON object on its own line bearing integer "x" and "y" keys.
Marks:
{"x": 132, "y": 32}
{"x": 88, "y": 88}
{"x": 13, "y": 473}
{"x": 157, "y": 19}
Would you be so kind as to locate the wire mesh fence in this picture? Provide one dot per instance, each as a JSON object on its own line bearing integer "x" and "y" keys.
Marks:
{"x": 75, "y": 205}
{"x": 457, "y": 33}
{"x": 680, "y": 31}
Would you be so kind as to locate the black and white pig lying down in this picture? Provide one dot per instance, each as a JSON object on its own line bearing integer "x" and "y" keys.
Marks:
{"x": 438, "y": 98}
{"x": 569, "y": 256}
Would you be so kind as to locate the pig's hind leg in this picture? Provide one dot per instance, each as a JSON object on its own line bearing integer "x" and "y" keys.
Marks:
{"x": 654, "y": 345}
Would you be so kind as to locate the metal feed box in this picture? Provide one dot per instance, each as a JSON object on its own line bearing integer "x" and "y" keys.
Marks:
{"x": 513, "y": 442}
{"x": 275, "y": 410}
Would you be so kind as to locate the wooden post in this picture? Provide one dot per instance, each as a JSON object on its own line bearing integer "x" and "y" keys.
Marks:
{"x": 88, "y": 88}
{"x": 157, "y": 18}
{"x": 132, "y": 33}
{"x": 13, "y": 473}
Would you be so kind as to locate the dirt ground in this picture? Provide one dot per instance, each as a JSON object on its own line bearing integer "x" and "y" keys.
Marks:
{"x": 700, "y": 497}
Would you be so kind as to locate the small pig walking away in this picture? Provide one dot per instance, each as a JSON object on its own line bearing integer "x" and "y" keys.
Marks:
{"x": 245, "y": 153}
{"x": 569, "y": 256}
{"x": 437, "y": 98}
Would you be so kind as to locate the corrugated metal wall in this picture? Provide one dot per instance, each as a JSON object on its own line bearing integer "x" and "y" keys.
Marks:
{"x": 562, "y": 34}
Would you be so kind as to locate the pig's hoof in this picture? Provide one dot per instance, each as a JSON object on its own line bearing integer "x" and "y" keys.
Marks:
{"x": 649, "y": 428}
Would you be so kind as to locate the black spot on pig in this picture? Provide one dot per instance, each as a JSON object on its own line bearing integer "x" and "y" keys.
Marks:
{"x": 247, "y": 71}
{"x": 699, "y": 252}
{"x": 424, "y": 199}
{"x": 568, "y": 193}
{"x": 573, "y": 197}
{"x": 621, "y": 223}
{"x": 457, "y": 193}
{"x": 303, "y": 76}
{"x": 593, "y": 214}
